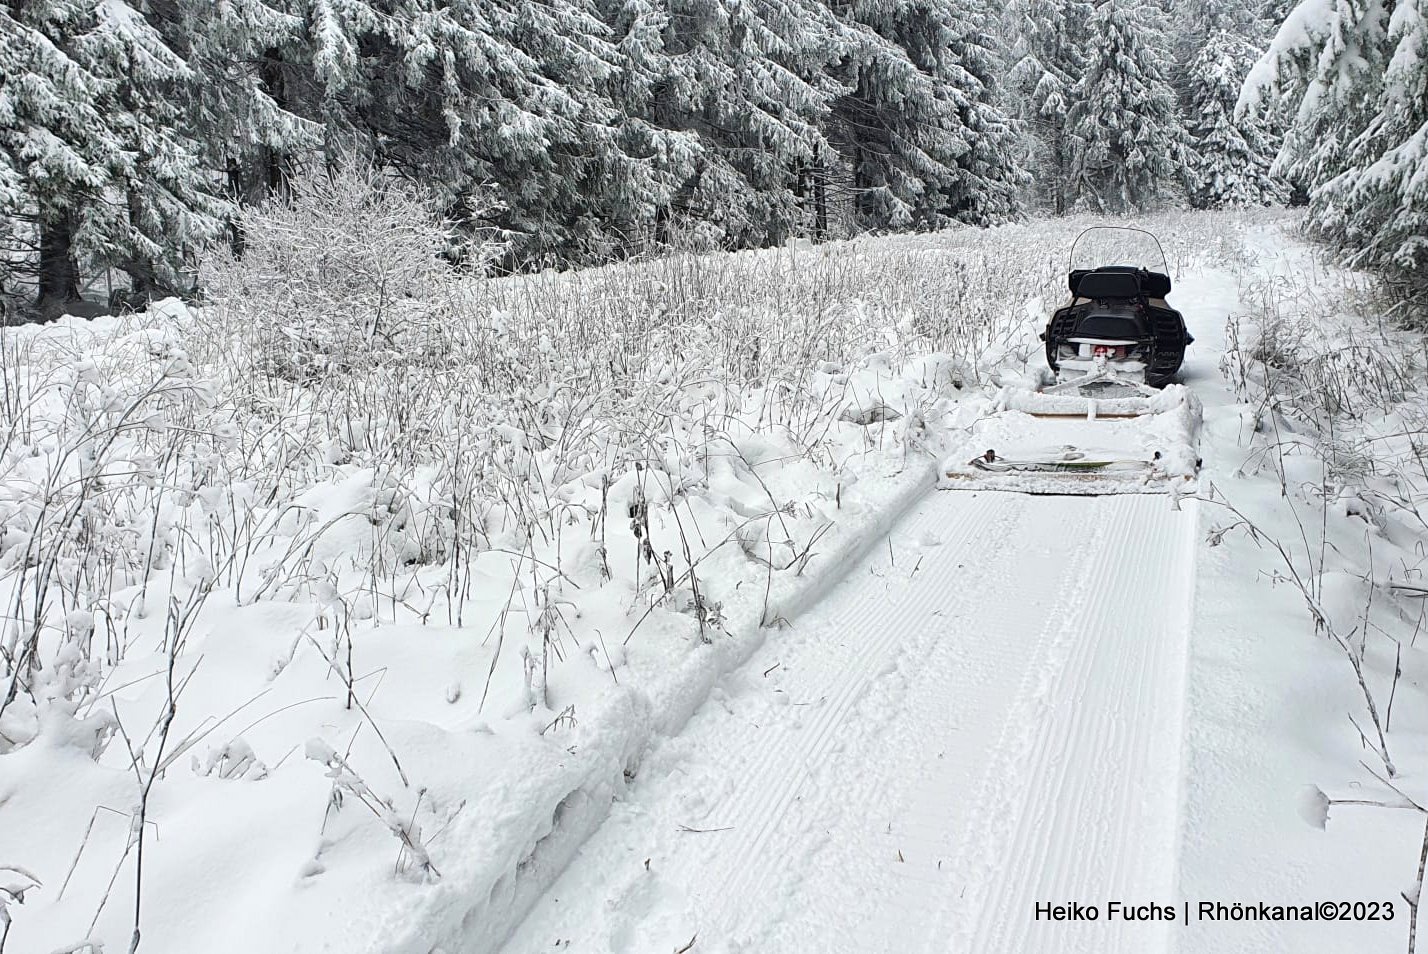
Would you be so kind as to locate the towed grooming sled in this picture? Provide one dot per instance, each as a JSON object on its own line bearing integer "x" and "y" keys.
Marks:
{"x": 1107, "y": 418}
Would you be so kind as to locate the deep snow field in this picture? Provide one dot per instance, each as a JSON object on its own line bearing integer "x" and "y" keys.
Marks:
{"x": 640, "y": 616}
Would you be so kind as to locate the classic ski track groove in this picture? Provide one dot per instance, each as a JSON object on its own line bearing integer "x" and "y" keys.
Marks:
{"x": 918, "y": 871}
{"x": 991, "y": 828}
{"x": 856, "y": 797}
{"x": 790, "y": 752}
{"x": 1086, "y": 836}
{"x": 872, "y": 811}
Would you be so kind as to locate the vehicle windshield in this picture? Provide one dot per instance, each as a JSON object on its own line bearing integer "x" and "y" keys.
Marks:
{"x": 1114, "y": 245}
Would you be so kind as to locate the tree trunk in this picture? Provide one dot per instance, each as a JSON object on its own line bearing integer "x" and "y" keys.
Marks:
{"x": 1058, "y": 162}
{"x": 859, "y": 187}
{"x": 260, "y": 171}
{"x": 236, "y": 185}
{"x": 143, "y": 277}
{"x": 820, "y": 202}
{"x": 274, "y": 163}
{"x": 58, "y": 272}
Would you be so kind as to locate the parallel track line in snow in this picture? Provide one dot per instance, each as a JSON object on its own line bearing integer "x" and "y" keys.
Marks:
{"x": 919, "y": 885}
{"x": 789, "y": 758}
{"x": 997, "y": 728}
{"x": 902, "y": 699}
{"x": 1096, "y": 818}
{"x": 989, "y": 826}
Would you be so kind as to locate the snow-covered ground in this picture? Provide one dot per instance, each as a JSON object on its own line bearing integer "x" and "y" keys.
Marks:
{"x": 985, "y": 714}
{"x": 688, "y": 650}
{"x": 1274, "y": 709}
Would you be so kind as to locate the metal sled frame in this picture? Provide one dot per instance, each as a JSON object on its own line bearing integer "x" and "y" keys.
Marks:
{"x": 1103, "y": 374}
{"x": 1068, "y": 478}
{"x": 1074, "y": 404}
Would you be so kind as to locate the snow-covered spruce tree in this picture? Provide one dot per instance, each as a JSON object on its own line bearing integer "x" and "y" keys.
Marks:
{"x": 993, "y": 174}
{"x": 1193, "y": 23}
{"x": 172, "y": 205}
{"x": 1129, "y": 140}
{"x": 1046, "y": 56}
{"x": 55, "y": 150}
{"x": 255, "y": 104}
{"x": 94, "y": 134}
{"x": 512, "y": 94}
{"x": 1230, "y": 158}
{"x": 637, "y": 31}
{"x": 1269, "y": 16}
{"x": 742, "y": 89}
{"x": 917, "y": 125}
{"x": 1357, "y": 72}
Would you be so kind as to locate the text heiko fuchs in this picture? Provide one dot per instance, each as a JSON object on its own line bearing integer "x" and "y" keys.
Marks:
{"x": 1215, "y": 911}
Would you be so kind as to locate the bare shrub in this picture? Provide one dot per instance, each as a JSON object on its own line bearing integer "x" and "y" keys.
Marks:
{"x": 1332, "y": 378}
{"x": 341, "y": 273}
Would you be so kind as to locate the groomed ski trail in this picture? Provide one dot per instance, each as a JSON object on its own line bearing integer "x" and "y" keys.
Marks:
{"x": 984, "y": 715}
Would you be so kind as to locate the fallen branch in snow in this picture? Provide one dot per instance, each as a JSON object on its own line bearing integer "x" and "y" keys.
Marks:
{"x": 346, "y": 781}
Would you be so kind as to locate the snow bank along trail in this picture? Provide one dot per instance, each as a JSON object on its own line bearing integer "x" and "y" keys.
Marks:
{"x": 983, "y": 716}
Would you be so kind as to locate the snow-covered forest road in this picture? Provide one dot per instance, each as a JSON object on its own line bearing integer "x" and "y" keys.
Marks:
{"x": 985, "y": 715}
